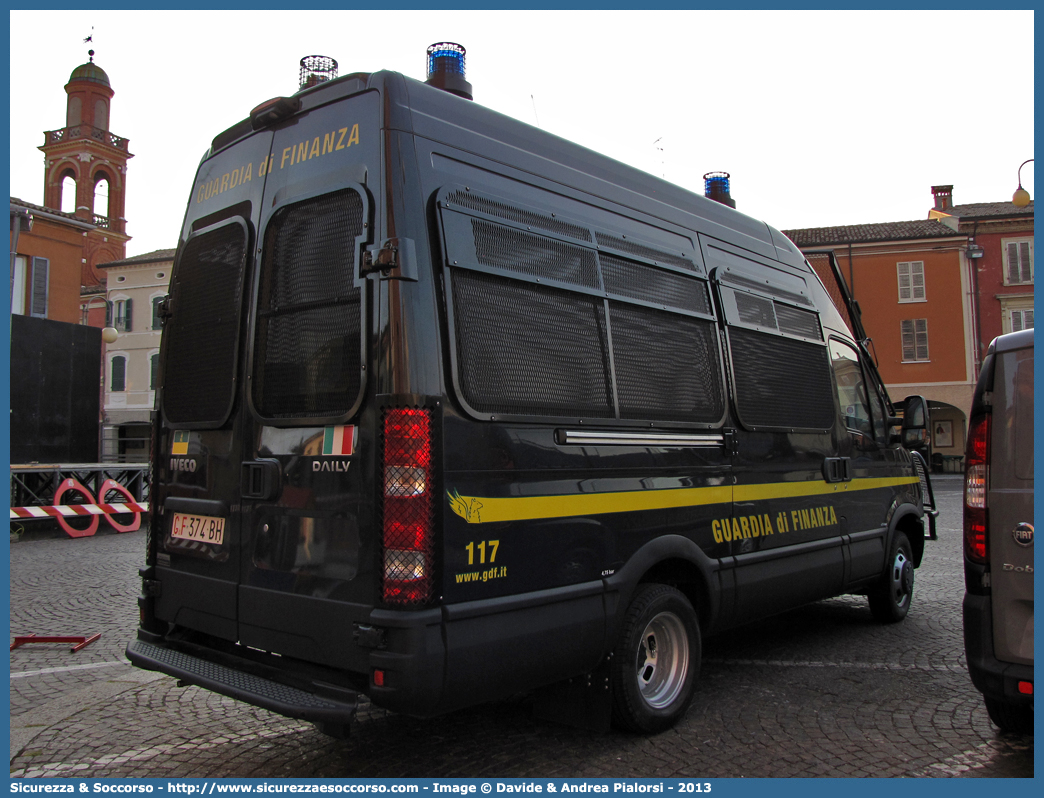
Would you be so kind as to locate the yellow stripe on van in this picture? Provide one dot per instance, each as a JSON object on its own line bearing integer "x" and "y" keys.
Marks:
{"x": 792, "y": 490}
{"x": 486, "y": 510}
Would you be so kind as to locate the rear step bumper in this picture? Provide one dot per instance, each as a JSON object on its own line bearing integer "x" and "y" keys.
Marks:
{"x": 241, "y": 684}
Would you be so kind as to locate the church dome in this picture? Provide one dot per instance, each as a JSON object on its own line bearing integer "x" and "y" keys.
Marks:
{"x": 91, "y": 72}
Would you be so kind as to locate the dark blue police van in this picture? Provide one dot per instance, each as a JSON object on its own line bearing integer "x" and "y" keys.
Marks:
{"x": 452, "y": 409}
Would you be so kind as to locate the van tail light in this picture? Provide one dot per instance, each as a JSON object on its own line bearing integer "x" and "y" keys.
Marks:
{"x": 407, "y": 507}
{"x": 976, "y": 481}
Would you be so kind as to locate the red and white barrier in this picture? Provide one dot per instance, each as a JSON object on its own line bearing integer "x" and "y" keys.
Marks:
{"x": 55, "y": 510}
{"x": 90, "y": 509}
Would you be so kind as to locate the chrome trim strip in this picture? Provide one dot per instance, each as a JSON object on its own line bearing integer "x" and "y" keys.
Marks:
{"x": 581, "y": 438}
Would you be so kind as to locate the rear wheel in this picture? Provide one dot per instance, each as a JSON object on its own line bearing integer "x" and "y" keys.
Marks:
{"x": 1016, "y": 718}
{"x": 656, "y": 660}
{"x": 891, "y": 597}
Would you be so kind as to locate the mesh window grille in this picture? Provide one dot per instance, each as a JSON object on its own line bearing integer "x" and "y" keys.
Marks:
{"x": 638, "y": 281}
{"x": 524, "y": 349}
{"x": 667, "y": 366}
{"x": 798, "y": 322}
{"x": 755, "y": 310}
{"x": 502, "y": 210}
{"x": 643, "y": 251}
{"x": 202, "y": 335}
{"x": 537, "y": 256}
{"x": 781, "y": 382}
{"x": 530, "y": 350}
{"x": 307, "y": 350}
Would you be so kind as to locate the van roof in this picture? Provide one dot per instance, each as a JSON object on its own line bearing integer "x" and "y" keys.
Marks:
{"x": 415, "y": 107}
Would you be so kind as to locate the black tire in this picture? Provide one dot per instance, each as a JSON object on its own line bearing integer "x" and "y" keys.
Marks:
{"x": 656, "y": 660}
{"x": 1017, "y": 718}
{"x": 890, "y": 598}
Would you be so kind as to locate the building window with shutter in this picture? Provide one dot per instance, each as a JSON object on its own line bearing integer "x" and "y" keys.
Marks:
{"x": 915, "y": 340}
{"x": 153, "y": 371}
{"x": 38, "y": 288}
{"x": 911, "y": 281}
{"x": 18, "y": 285}
{"x": 118, "y": 373}
{"x": 121, "y": 315}
{"x": 1021, "y": 320}
{"x": 1018, "y": 260}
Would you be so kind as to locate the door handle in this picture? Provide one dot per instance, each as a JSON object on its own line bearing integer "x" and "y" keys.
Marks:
{"x": 837, "y": 469}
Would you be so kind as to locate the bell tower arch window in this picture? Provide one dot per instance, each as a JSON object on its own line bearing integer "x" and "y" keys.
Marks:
{"x": 68, "y": 188}
{"x": 101, "y": 194}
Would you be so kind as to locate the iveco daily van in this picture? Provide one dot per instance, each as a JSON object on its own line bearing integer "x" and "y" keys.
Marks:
{"x": 451, "y": 409}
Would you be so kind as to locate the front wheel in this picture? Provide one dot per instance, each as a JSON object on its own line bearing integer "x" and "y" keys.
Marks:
{"x": 656, "y": 660}
{"x": 891, "y": 597}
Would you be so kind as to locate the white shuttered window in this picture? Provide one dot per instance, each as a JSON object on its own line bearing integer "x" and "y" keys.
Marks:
{"x": 911, "y": 281}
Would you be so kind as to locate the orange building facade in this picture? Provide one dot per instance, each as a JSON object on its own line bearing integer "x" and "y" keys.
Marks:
{"x": 1001, "y": 239}
{"x": 914, "y": 286}
{"x": 47, "y": 264}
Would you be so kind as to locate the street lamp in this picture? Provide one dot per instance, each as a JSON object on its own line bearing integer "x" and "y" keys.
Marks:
{"x": 1021, "y": 197}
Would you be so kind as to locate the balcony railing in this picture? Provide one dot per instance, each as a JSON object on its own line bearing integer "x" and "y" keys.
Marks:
{"x": 85, "y": 131}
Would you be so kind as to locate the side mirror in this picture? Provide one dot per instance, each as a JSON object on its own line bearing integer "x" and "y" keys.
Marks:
{"x": 916, "y": 422}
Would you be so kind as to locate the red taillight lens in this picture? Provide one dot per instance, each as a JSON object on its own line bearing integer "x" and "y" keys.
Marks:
{"x": 408, "y": 507}
{"x": 976, "y": 481}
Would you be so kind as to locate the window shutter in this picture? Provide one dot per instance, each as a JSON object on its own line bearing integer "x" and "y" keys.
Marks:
{"x": 908, "y": 339}
{"x": 1025, "y": 266}
{"x": 127, "y": 316}
{"x": 157, "y": 322}
{"x": 38, "y": 289}
{"x": 119, "y": 373}
{"x": 1027, "y": 319}
{"x": 154, "y": 363}
{"x": 904, "y": 281}
{"x": 108, "y": 314}
{"x": 921, "y": 335}
{"x": 1013, "y": 263}
{"x": 917, "y": 275}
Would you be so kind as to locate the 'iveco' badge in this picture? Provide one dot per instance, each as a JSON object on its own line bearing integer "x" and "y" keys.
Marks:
{"x": 1023, "y": 534}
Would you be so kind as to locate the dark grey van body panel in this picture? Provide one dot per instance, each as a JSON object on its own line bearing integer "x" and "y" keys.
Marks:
{"x": 747, "y": 509}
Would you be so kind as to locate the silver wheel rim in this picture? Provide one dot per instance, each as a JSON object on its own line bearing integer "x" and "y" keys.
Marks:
{"x": 663, "y": 660}
{"x": 901, "y": 581}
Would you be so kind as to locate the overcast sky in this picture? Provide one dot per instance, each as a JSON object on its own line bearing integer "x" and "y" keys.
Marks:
{"x": 822, "y": 118}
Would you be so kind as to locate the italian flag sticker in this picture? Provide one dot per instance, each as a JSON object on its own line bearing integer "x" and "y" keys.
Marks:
{"x": 179, "y": 443}
{"x": 339, "y": 440}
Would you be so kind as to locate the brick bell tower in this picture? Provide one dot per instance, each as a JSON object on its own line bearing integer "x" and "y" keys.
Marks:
{"x": 86, "y": 158}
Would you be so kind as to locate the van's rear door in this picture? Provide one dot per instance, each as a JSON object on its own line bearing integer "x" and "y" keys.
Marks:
{"x": 307, "y": 563}
{"x": 1010, "y": 504}
{"x": 199, "y": 451}
{"x": 264, "y": 357}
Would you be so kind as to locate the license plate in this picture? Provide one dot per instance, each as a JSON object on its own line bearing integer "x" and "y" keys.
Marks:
{"x": 204, "y": 528}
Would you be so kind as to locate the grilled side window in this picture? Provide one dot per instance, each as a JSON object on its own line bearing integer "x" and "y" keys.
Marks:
{"x": 569, "y": 320}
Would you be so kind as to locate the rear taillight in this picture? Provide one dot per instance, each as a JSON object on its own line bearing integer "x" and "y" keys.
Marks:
{"x": 408, "y": 507}
{"x": 976, "y": 480}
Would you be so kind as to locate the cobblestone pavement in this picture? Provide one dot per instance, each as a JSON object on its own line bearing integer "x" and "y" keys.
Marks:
{"x": 821, "y": 691}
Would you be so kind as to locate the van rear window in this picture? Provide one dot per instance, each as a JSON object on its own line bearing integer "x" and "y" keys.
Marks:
{"x": 203, "y": 333}
{"x": 308, "y": 332}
